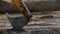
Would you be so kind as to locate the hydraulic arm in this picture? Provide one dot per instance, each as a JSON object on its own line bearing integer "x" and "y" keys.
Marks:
{"x": 22, "y": 7}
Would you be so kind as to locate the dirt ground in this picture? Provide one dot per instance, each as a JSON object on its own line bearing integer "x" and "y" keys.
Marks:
{"x": 49, "y": 24}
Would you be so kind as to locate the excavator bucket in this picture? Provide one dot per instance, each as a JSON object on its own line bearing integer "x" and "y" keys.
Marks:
{"x": 17, "y": 22}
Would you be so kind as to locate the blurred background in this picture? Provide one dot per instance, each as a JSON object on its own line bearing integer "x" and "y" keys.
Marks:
{"x": 33, "y": 6}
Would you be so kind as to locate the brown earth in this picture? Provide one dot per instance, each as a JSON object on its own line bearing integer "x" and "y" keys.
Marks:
{"x": 38, "y": 24}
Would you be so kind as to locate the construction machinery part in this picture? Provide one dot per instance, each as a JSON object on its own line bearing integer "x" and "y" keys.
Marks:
{"x": 19, "y": 22}
{"x": 22, "y": 7}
